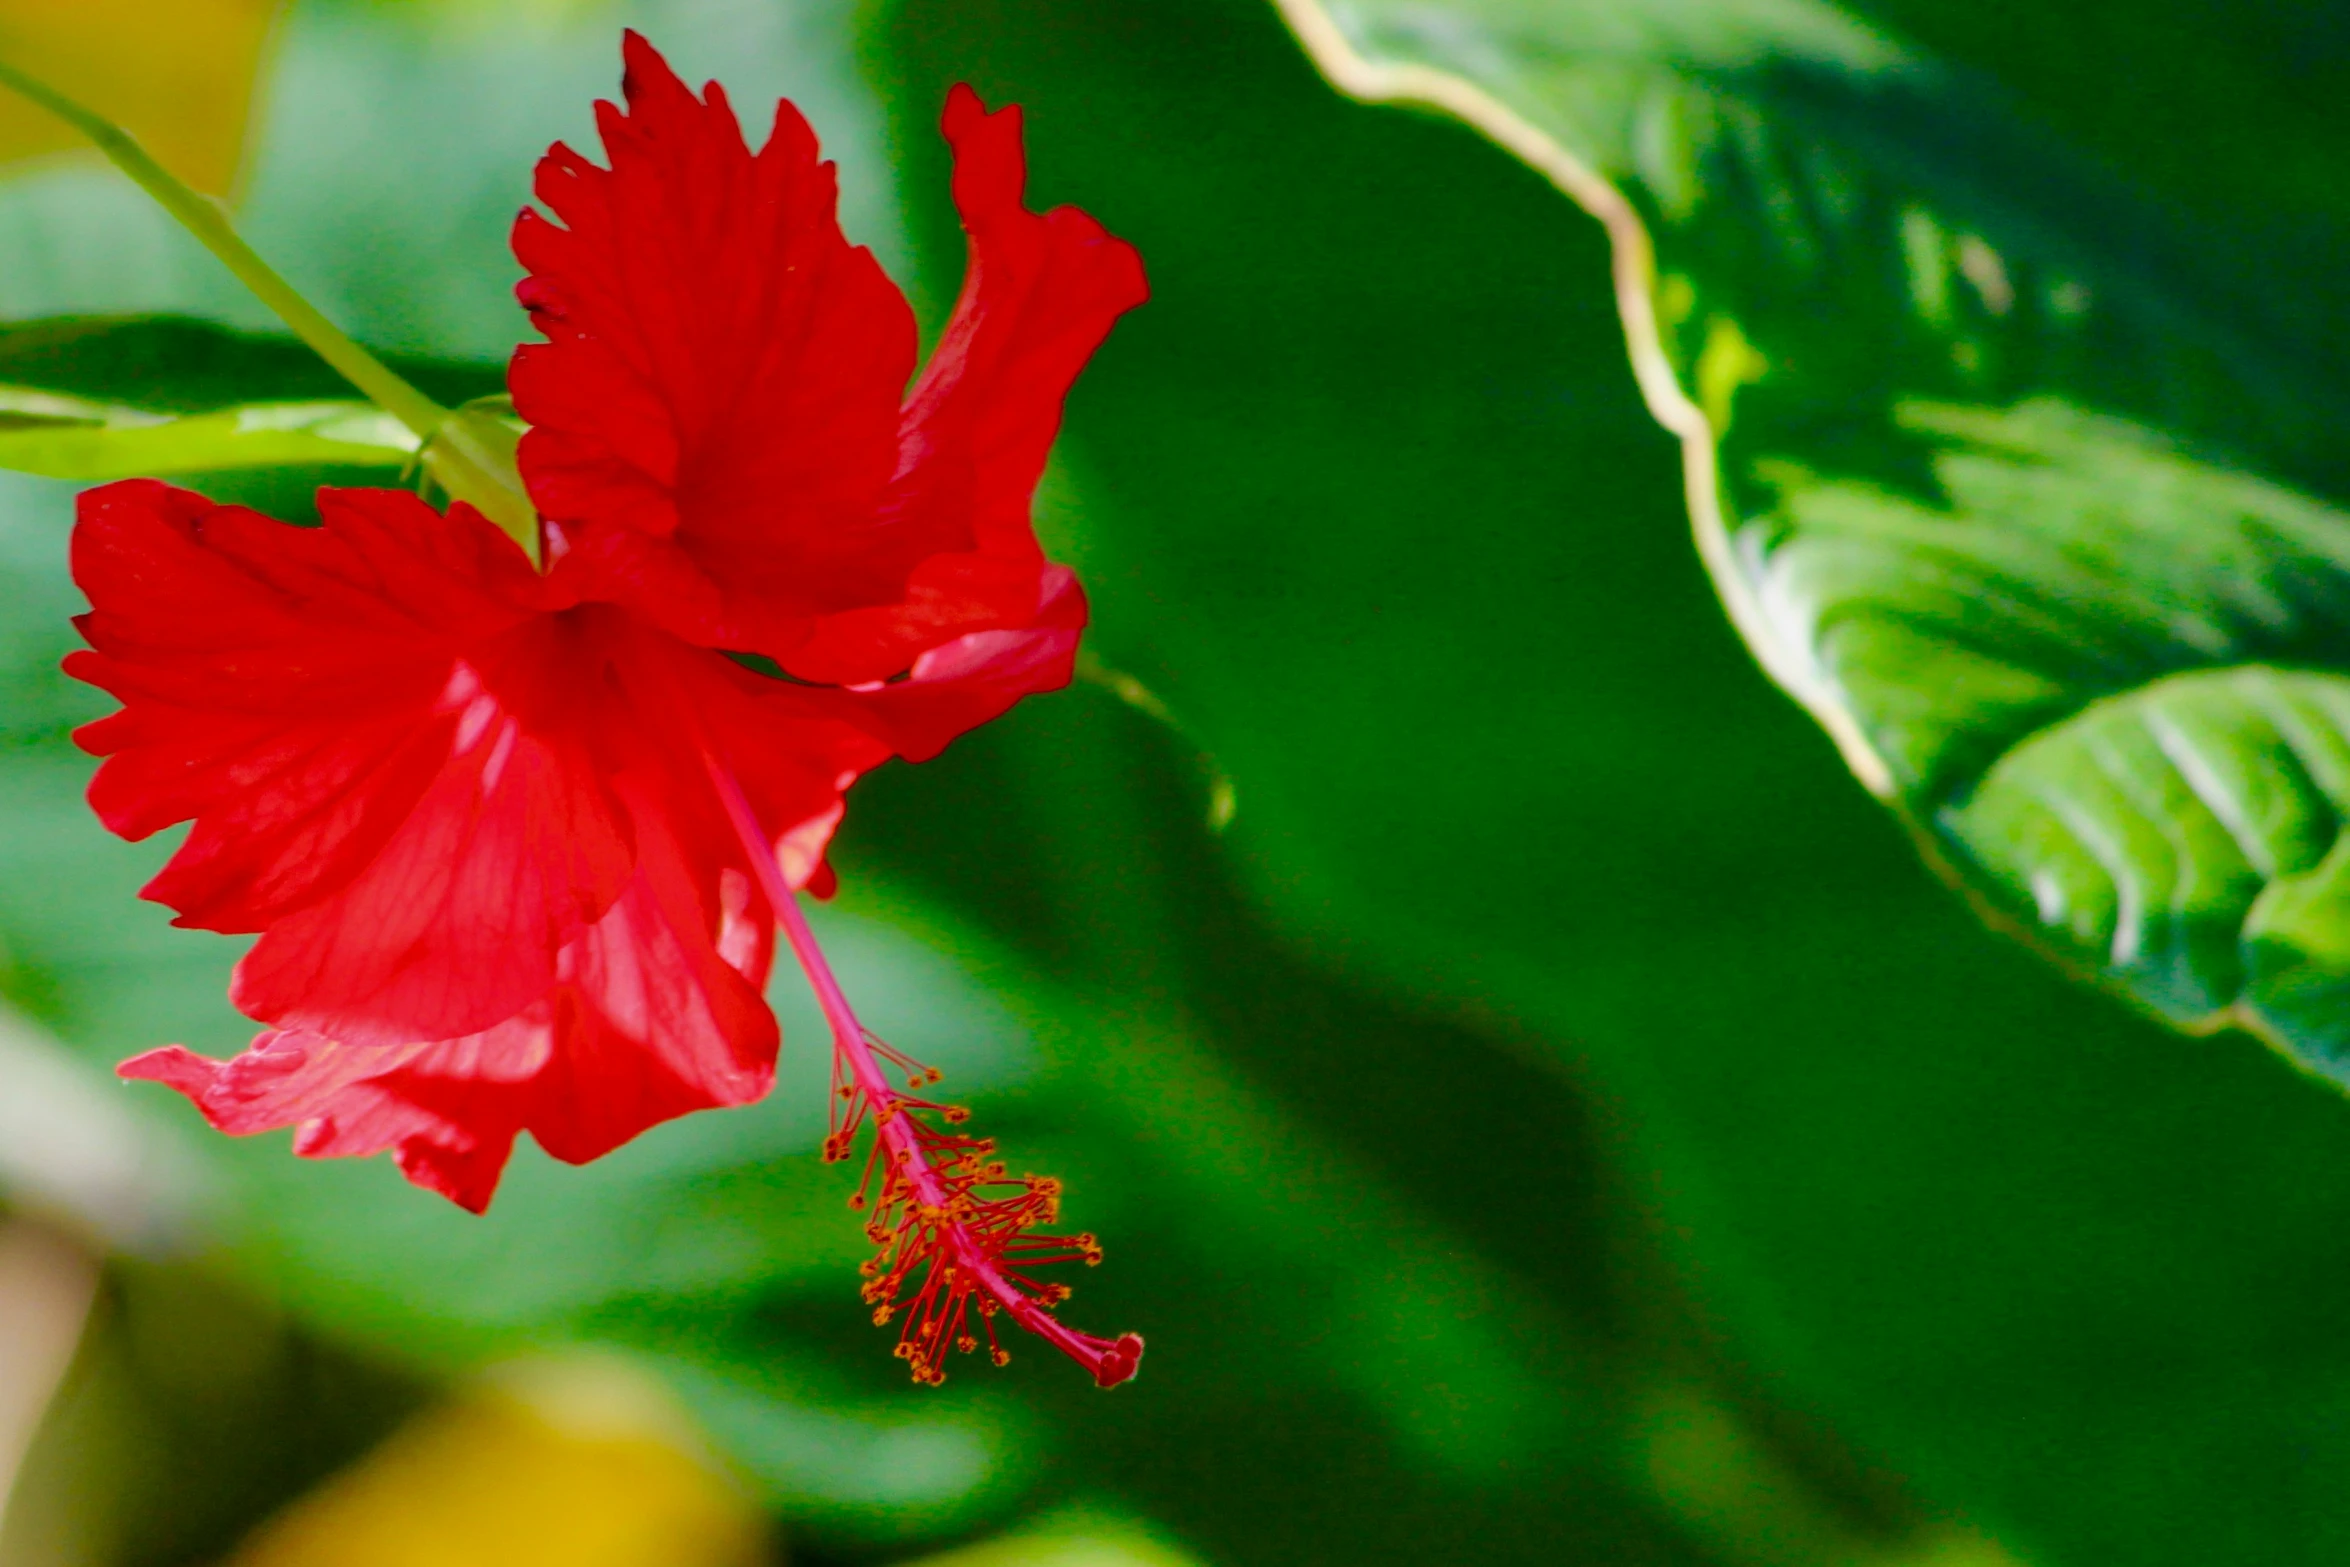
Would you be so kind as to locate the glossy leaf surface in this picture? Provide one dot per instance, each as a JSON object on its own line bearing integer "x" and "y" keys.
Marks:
{"x": 1916, "y": 318}
{"x": 1367, "y": 494}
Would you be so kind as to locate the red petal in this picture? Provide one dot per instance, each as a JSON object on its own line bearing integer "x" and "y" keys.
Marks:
{"x": 381, "y": 738}
{"x": 333, "y": 1092}
{"x": 1040, "y": 293}
{"x": 652, "y": 1010}
{"x": 976, "y": 677}
{"x": 272, "y": 679}
{"x": 654, "y": 1022}
{"x": 456, "y": 923}
{"x": 657, "y": 1012}
{"x": 285, "y": 1077}
{"x": 722, "y": 368}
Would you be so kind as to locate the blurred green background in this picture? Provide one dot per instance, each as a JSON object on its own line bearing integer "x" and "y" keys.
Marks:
{"x": 1559, "y": 1120}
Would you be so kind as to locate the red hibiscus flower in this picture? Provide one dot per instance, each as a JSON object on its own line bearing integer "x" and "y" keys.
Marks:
{"x": 517, "y": 842}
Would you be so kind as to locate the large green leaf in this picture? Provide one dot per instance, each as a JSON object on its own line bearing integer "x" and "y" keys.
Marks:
{"x": 2113, "y": 680}
{"x": 1366, "y": 494}
{"x": 1914, "y": 321}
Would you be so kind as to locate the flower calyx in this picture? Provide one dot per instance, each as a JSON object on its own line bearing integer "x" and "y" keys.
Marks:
{"x": 472, "y": 455}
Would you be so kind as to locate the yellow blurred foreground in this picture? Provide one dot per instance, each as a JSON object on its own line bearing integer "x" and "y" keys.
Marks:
{"x": 578, "y": 1462}
{"x": 177, "y": 73}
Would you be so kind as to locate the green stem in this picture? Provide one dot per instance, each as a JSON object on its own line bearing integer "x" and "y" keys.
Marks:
{"x": 471, "y": 452}
{"x": 201, "y": 216}
{"x": 1223, "y": 795}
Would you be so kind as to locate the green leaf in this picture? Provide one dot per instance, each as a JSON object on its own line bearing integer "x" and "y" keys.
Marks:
{"x": 1365, "y": 494}
{"x": 60, "y": 438}
{"x": 162, "y": 364}
{"x": 1975, "y": 404}
{"x": 2112, "y": 680}
{"x": 90, "y": 398}
{"x": 867, "y": 1469}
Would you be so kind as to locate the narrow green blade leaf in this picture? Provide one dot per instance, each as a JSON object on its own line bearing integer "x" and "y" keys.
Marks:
{"x": 179, "y": 365}
{"x": 53, "y": 436}
{"x": 94, "y": 398}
